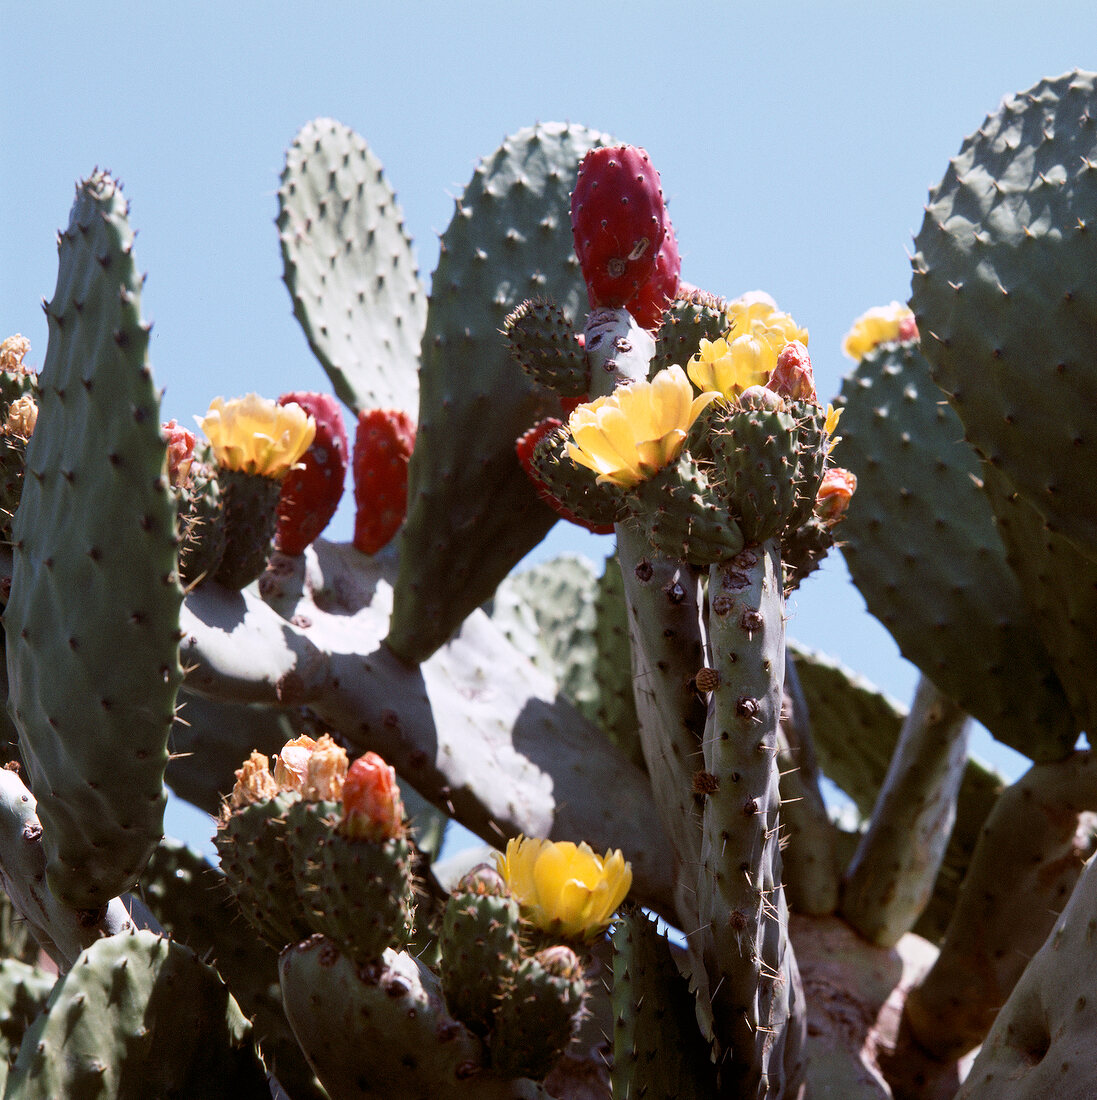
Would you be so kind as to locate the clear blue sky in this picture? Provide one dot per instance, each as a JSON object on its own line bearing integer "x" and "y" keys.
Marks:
{"x": 796, "y": 144}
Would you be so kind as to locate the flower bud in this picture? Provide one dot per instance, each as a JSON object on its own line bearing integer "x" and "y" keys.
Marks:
{"x": 254, "y": 783}
{"x": 793, "y": 377}
{"x": 180, "y": 452}
{"x": 372, "y": 807}
{"x": 834, "y": 494}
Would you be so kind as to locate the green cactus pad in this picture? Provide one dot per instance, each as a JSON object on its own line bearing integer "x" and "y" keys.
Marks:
{"x": 682, "y": 517}
{"x": 574, "y": 485}
{"x": 93, "y": 618}
{"x": 24, "y": 990}
{"x": 307, "y": 826}
{"x": 250, "y": 503}
{"x": 139, "y": 1016}
{"x": 473, "y": 512}
{"x": 535, "y": 1021}
{"x": 201, "y": 520}
{"x": 382, "y": 1031}
{"x": 1059, "y": 582}
{"x": 1008, "y": 238}
{"x": 921, "y": 545}
{"x": 756, "y": 467}
{"x": 363, "y": 894}
{"x": 686, "y": 322}
{"x": 544, "y": 343}
{"x": 350, "y": 269}
{"x": 658, "y": 1049}
{"x": 480, "y": 955}
{"x": 179, "y": 885}
{"x": 259, "y": 869}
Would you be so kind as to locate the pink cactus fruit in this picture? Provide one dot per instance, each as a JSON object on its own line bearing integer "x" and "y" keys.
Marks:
{"x": 618, "y": 222}
{"x": 312, "y": 490}
{"x": 382, "y": 450}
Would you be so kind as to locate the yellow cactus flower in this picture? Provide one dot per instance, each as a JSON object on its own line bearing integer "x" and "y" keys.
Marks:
{"x": 565, "y": 889}
{"x": 832, "y": 419}
{"x": 637, "y": 430}
{"x": 747, "y": 355}
{"x": 879, "y": 325}
{"x": 257, "y": 436}
{"x": 728, "y": 367}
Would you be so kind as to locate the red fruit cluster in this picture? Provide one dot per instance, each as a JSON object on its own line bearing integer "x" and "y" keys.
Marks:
{"x": 311, "y": 492}
{"x": 382, "y": 449}
{"x": 525, "y": 447}
{"x": 620, "y": 226}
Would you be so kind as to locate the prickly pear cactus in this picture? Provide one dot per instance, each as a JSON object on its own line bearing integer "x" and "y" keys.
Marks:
{"x": 94, "y": 596}
{"x": 652, "y": 710}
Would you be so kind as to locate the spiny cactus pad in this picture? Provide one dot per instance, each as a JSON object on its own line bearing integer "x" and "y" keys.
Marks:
{"x": 921, "y": 544}
{"x": 139, "y": 1016}
{"x": 1005, "y": 298}
{"x": 474, "y": 514}
{"x": 350, "y": 269}
{"x": 93, "y": 619}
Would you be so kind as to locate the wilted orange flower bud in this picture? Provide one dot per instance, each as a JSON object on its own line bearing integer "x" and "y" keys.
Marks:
{"x": 834, "y": 494}
{"x": 372, "y": 807}
{"x": 291, "y": 765}
{"x": 254, "y": 783}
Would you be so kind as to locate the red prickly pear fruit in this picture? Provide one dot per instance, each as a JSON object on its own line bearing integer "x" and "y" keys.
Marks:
{"x": 524, "y": 448}
{"x": 382, "y": 449}
{"x": 618, "y": 221}
{"x": 651, "y": 300}
{"x": 311, "y": 492}
{"x": 793, "y": 377}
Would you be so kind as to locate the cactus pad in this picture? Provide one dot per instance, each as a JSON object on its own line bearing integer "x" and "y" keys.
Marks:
{"x": 473, "y": 513}
{"x": 1008, "y": 238}
{"x": 93, "y": 619}
{"x": 349, "y": 267}
{"x": 921, "y": 544}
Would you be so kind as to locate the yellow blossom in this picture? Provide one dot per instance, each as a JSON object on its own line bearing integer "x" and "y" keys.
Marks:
{"x": 565, "y": 889}
{"x": 637, "y": 430}
{"x": 257, "y": 436}
{"x": 879, "y": 325}
{"x": 748, "y": 353}
{"x": 832, "y": 419}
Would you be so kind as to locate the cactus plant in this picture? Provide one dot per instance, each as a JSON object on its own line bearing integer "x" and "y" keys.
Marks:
{"x": 655, "y": 712}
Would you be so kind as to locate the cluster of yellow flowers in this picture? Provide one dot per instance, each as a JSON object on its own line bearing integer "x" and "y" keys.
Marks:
{"x": 748, "y": 354}
{"x": 641, "y": 427}
{"x": 255, "y": 435}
